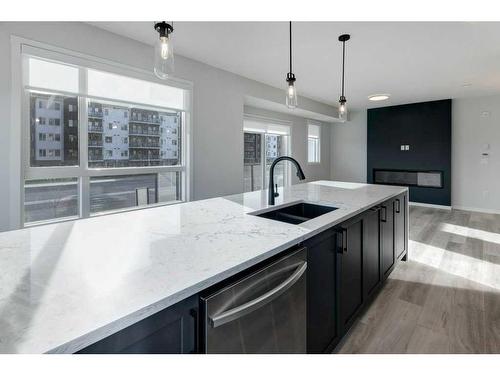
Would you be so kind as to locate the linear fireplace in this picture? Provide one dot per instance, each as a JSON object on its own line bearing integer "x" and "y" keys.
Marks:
{"x": 433, "y": 179}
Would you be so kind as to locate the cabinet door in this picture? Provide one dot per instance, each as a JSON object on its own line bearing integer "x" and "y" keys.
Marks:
{"x": 400, "y": 225}
{"x": 387, "y": 237}
{"x": 351, "y": 272}
{"x": 171, "y": 331}
{"x": 371, "y": 252}
{"x": 321, "y": 292}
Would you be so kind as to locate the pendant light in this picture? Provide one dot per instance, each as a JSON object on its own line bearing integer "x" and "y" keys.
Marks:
{"x": 291, "y": 91}
{"x": 164, "y": 50}
{"x": 342, "y": 102}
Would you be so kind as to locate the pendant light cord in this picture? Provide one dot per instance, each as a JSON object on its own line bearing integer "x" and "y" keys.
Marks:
{"x": 343, "y": 64}
{"x": 290, "y": 46}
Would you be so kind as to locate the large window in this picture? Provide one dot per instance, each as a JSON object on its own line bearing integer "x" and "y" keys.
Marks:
{"x": 264, "y": 141}
{"x": 97, "y": 141}
{"x": 313, "y": 143}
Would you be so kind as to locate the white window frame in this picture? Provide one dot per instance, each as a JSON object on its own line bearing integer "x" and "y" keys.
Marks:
{"x": 267, "y": 124}
{"x": 309, "y": 123}
{"x": 21, "y": 136}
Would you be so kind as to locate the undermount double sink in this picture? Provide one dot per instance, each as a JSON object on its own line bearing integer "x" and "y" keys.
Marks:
{"x": 296, "y": 213}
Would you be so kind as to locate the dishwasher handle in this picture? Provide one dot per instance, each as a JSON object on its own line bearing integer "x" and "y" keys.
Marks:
{"x": 246, "y": 308}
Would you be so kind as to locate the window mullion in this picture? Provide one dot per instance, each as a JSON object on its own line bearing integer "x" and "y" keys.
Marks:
{"x": 83, "y": 145}
{"x": 263, "y": 160}
{"x": 84, "y": 196}
{"x": 25, "y": 141}
{"x": 186, "y": 158}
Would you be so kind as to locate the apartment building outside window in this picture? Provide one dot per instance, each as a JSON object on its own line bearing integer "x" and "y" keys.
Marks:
{"x": 265, "y": 140}
{"x": 94, "y": 138}
{"x": 313, "y": 142}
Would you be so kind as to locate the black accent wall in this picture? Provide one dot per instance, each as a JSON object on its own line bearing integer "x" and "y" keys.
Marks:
{"x": 426, "y": 128}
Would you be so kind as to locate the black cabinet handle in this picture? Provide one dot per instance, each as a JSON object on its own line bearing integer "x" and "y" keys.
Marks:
{"x": 383, "y": 217}
{"x": 194, "y": 313}
{"x": 344, "y": 240}
{"x": 398, "y": 206}
{"x": 341, "y": 240}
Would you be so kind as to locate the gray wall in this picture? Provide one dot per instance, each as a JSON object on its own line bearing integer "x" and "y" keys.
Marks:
{"x": 348, "y": 149}
{"x": 299, "y": 143}
{"x": 475, "y": 179}
{"x": 217, "y": 113}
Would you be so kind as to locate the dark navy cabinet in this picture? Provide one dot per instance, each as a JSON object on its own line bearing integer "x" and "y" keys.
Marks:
{"x": 350, "y": 254}
{"x": 347, "y": 266}
{"x": 322, "y": 330}
{"x": 170, "y": 331}
{"x": 371, "y": 253}
{"x": 393, "y": 232}
{"x": 400, "y": 225}
{"x": 387, "y": 237}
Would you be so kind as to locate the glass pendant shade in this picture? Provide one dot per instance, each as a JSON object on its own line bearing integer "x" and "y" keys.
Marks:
{"x": 164, "y": 57}
{"x": 342, "y": 110}
{"x": 291, "y": 96}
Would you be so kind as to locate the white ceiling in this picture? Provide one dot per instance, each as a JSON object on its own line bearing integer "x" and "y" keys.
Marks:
{"x": 412, "y": 61}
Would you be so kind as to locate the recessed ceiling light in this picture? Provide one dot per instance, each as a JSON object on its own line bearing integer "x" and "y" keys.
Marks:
{"x": 378, "y": 97}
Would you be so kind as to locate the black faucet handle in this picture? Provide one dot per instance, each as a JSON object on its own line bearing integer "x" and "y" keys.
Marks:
{"x": 276, "y": 194}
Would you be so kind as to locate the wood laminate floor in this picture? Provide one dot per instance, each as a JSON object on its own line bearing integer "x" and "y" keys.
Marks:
{"x": 446, "y": 298}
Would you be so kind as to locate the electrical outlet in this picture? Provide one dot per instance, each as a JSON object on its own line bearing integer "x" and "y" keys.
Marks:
{"x": 407, "y": 147}
{"x": 402, "y": 147}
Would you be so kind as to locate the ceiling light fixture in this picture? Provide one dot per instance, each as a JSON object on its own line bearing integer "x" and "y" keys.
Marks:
{"x": 164, "y": 50}
{"x": 343, "y": 107}
{"x": 291, "y": 91}
{"x": 378, "y": 97}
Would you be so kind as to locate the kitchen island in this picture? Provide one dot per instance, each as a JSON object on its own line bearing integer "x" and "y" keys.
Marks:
{"x": 67, "y": 285}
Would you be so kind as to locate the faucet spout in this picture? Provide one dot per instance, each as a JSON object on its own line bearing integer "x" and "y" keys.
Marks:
{"x": 271, "y": 192}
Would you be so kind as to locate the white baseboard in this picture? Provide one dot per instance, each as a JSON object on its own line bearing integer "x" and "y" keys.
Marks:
{"x": 430, "y": 205}
{"x": 475, "y": 209}
{"x": 463, "y": 208}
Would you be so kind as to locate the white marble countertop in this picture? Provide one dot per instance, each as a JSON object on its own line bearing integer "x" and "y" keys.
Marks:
{"x": 65, "y": 286}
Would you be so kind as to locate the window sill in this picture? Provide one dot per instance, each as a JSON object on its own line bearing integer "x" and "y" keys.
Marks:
{"x": 31, "y": 224}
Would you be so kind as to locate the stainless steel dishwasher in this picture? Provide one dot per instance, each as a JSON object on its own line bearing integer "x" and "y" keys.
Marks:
{"x": 264, "y": 312}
